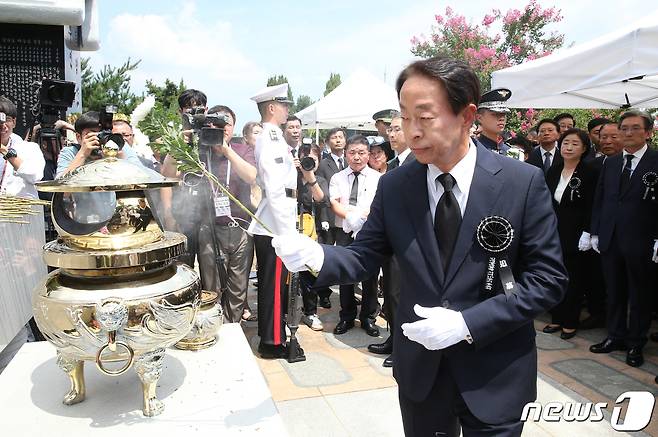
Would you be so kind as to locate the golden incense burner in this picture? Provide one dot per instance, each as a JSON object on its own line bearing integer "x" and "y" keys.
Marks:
{"x": 206, "y": 325}
{"x": 118, "y": 298}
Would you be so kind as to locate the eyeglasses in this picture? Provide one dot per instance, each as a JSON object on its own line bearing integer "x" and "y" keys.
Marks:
{"x": 396, "y": 129}
{"x": 360, "y": 153}
{"x": 377, "y": 153}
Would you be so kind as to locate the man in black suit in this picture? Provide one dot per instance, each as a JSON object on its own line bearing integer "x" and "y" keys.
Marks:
{"x": 391, "y": 268}
{"x": 546, "y": 155}
{"x": 625, "y": 232}
{"x": 329, "y": 233}
{"x": 464, "y": 356}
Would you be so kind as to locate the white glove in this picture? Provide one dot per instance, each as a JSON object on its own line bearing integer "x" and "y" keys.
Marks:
{"x": 584, "y": 243}
{"x": 298, "y": 252}
{"x": 355, "y": 220}
{"x": 324, "y": 226}
{"x": 594, "y": 242}
{"x": 654, "y": 258}
{"x": 440, "y": 328}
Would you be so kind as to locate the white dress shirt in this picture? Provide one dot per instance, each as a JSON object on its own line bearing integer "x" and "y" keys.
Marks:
{"x": 402, "y": 156}
{"x": 340, "y": 188}
{"x": 636, "y": 158}
{"x": 20, "y": 182}
{"x": 336, "y": 158}
{"x": 463, "y": 174}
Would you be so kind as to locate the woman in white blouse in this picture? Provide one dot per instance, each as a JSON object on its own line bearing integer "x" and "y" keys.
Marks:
{"x": 572, "y": 187}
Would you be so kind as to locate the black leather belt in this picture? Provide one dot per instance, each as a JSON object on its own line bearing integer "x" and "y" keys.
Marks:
{"x": 289, "y": 193}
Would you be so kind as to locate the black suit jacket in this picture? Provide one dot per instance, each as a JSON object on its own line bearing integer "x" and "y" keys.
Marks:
{"x": 535, "y": 158}
{"x": 395, "y": 162}
{"x": 628, "y": 215}
{"x": 574, "y": 212}
{"x": 497, "y": 373}
{"x": 326, "y": 169}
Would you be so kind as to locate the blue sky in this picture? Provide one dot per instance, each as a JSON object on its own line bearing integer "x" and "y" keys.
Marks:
{"x": 228, "y": 49}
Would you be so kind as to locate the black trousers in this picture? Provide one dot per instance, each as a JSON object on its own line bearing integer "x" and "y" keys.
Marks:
{"x": 191, "y": 231}
{"x": 272, "y": 278}
{"x": 391, "y": 290}
{"x": 630, "y": 281}
{"x": 595, "y": 286}
{"x": 330, "y": 237}
{"x": 567, "y": 312}
{"x": 444, "y": 412}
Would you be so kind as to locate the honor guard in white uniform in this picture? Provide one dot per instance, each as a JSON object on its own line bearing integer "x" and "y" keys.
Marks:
{"x": 277, "y": 178}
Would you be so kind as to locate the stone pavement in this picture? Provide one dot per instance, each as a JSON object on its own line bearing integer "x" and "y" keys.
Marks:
{"x": 342, "y": 389}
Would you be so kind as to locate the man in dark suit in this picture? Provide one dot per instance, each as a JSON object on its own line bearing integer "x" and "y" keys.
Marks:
{"x": 463, "y": 357}
{"x": 546, "y": 155}
{"x": 391, "y": 268}
{"x": 329, "y": 233}
{"x": 625, "y": 232}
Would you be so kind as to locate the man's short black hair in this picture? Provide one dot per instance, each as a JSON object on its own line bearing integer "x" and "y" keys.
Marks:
{"x": 458, "y": 79}
{"x": 356, "y": 139}
{"x": 222, "y": 109}
{"x": 332, "y": 131}
{"x": 550, "y": 121}
{"x": 88, "y": 120}
{"x": 648, "y": 121}
{"x": 192, "y": 97}
{"x": 8, "y": 107}
{"x": 596, "y": 122}
{"x": 559, "y": 117}
{"x": 293, "y": 118}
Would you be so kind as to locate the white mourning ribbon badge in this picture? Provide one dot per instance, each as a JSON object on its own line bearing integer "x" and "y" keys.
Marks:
{"x": 574, "y": 184}
{"x": 495, "y": 234}
{"x": 649, "y": 179}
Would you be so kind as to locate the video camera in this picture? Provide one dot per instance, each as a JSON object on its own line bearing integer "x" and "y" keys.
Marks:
{"x": 54, "y": 96}
{"x": 208, "y": 127}
{"x": 105, "y": 117}
{"x": 305, "y": 160}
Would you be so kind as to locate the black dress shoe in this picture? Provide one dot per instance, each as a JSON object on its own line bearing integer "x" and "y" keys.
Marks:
{"x": 271, "y": 351}
{"x": 607, "y": 346}
{"x": 343, "y": 326}
{"x": 325, "y": 302}
{"x": 567, "y": 335}
{"x": 388, "y": 362}
{"x": 634, "y": 357}
{"x": 370, "y": 327}
{"x": 548, "y": 329}
{"x": 385, "y": 348}
{"x": 592, "y": 322}
{"x": 654, "y": 336}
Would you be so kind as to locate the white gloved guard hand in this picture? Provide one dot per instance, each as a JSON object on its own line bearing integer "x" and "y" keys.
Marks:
{"x": 584, "y": 244}
{"x": 298, "y": 252}
{"x": 324, "y": 226}
{"x": 594, "y": 241}
{"x": 439, "y": 328}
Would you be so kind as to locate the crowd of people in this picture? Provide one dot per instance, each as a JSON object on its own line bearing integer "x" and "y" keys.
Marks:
{"x": 601, "y": 180}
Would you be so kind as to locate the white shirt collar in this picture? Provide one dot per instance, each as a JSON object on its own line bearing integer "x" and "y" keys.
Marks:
{"x": 462, "y": 171}
{"x": 543, "y": 151}
{"x": 336, "y": 158}
{"x": 403, "y": 155}
{"x": 637, "y": 155}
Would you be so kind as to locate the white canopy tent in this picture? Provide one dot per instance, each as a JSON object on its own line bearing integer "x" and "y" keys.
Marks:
{"x": 617, "y": 70}
{"x": 352, "y": 104}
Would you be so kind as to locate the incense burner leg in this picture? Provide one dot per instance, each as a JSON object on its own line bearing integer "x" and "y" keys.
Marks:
{"x": 75, "y": 370}
{"x": 149, "y": 369}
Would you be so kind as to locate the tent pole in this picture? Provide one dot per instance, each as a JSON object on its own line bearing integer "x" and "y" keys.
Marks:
{"x": 317, "y": 133}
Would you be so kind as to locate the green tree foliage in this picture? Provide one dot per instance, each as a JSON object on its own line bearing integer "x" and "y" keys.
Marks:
{"x": 110, "y": 85}
{"x": 332, "y": 83}
{"x": 303, "y": 101}
{"x": 165, "y": 110}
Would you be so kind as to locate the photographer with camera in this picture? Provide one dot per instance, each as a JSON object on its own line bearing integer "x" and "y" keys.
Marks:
{"x": 21, "y": 162}
{"x": 92, "y": 130}
{"x": 313, "y": 197}
{"x": 234, "y": 166}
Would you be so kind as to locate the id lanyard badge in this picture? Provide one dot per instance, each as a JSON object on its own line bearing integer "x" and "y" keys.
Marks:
{"x": 221, "y": 200}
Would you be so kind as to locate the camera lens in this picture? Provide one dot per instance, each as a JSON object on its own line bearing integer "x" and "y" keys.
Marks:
{"x": 307, "y": 163}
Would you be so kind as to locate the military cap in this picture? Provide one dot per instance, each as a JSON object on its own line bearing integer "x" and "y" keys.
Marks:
{"x": 277, "y": 93}
{"x": 385, "y": 115}
{"x": 495, "y": 99}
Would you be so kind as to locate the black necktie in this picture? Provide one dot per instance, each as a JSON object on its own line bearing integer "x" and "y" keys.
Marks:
{"x": 355, "y": 188}
{"x": 547, "y": 161}
{"x": 626, "y": 174}
{"x": 447, "y": 219}
{"x": 340, "y": 164}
